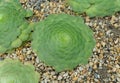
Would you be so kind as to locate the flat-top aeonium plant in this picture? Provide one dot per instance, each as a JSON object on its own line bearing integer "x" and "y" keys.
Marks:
{"x": 95, "y": 7}
{"x": 63, "y": 41}
{"x": 13, "y": 71}
{"x": 13, "y": 26}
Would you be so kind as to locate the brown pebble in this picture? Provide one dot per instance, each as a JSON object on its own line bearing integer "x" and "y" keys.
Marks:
{"x": 101, "y": 56}
{"x": 95, "y": 66}
{"x": 75, "y": 78}
{"x": 21, "y": 57}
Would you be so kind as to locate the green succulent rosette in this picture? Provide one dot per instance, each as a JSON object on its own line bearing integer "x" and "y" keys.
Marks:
{"x": 14, "y": 29}
{"x": 63, "y": 41}
{"x": 13, "y": 71}
{"x": 95, "y": 7}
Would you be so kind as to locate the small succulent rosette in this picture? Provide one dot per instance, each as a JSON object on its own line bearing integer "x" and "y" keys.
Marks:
{"x": 95, "y": 7}
{"x": 13, "y": 26}
{"x": 63, "y": 41}
{"x": 13, "y": 71}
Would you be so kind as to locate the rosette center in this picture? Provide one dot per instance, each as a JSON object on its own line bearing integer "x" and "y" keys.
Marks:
{"x": 63, "y": 39}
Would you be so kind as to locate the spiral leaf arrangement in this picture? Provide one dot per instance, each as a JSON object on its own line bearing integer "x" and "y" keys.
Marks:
{"x": 13, "y": 26}
{"x": 13, "y": 71}
{"x": 63, "y": 41}
{"x": 95, "y": 7}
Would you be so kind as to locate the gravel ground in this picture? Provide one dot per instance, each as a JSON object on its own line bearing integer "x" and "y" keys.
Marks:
{"x": 103, "y": 66}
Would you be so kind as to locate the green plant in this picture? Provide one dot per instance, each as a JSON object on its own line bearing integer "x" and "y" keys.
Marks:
{"x": 13, "y": 71}
{"x": 14, "y": 29}
{"x": 63, "y": 41}
{"x": 95, "y": 7}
